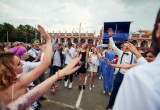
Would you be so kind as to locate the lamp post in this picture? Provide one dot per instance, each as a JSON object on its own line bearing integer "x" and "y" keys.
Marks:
{"x": 79, "y": 32}
{"x": 7, "y": 37}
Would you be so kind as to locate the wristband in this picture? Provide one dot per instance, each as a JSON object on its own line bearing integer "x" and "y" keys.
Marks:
{"x": 58, "y": 74}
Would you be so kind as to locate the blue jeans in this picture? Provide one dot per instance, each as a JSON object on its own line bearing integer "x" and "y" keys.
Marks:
{"x": 100, "y": 68}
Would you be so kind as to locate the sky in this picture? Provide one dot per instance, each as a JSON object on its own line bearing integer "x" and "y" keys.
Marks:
{"x": 66, "y": 15}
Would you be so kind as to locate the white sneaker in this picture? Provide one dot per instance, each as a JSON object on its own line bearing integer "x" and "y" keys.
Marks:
{"x": 70, "y": 85}
{"x": 109, "y": 93}
{"x": 90, "y": 87}
{"x": 100, "y": 77}
{"x": 65, "y": 83}
{"x": 104, "y": 92}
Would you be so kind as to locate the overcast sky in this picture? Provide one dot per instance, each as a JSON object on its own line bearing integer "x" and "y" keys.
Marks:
{"x": 66, "y": 15}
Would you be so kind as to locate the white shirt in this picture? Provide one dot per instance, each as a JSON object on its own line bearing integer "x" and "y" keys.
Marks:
{"x": 126, "y": 58}
{"x": 140, "y": 89}
{"x": 27, "y": 67}
{"x": 57, "y": 59}
{"x": 33, "y": 52}
{"x": 68, "y": 58}
{"x": 95, "y": 60}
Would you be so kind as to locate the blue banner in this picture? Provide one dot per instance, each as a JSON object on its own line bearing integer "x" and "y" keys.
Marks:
{"x": 120, "y": 31}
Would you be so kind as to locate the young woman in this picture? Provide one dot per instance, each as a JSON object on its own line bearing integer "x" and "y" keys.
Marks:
{"x": 148, "y": 55}
{"x": 94, "y": 62}
{"x": 12, "y": 88}
{"x": 107, "y": 71}
{"x": 83, "y": 63}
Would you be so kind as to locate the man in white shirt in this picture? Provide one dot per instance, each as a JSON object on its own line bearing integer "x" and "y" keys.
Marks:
{"x": 140, "y": 88}
{"x": 70, "y": 53}
{"x": 124, "y": 57}
{"x": 34, "y": 51}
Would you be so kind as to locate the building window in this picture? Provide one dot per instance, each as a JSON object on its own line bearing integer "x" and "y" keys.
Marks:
{"x": 62, "y": 40}
{"x": 144, "y": 44}
{"x": 75, "y": 40}
{"x": 151, "y": 45}
{"x": 90, "y": 41}
{"x": 68, "y": 40}
{"x": 83, "y": 40}
{"x": 135, "y": 42}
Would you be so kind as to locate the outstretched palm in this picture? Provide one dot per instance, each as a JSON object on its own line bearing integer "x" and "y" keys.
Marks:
{"x": 146, "y": 33}
{"x": 110, "y": 32}
{"x": 70, "y": 68}
{"x": 44, "y": 34}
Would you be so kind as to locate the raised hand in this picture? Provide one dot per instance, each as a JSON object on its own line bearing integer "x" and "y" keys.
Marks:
{"x": 145, "y": 33}
{"x": 70, "y": 68}
{"x": 57, "y": 36}
{"x": 107, "y": 60}
{"x": 110, "y": 32}
{"x": 132, "y": 48}
{"x": 44, "y": 34}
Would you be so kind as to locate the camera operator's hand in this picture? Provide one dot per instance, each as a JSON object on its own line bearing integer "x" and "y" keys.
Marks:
{"x": 134, "y": 50}
{"x": 146, "y": 33}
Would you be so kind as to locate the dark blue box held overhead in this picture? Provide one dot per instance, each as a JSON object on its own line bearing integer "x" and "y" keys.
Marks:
{"x": 120, "y": 31}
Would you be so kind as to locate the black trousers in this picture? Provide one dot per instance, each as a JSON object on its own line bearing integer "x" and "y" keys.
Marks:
{"x": 53, "y": 70}
{"x": 70, "y": 77}
{"x": 40, "y": 79}
{"x": 116, "y": 84}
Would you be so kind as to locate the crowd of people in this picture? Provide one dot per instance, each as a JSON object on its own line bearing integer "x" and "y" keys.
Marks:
{"x": 135, "y": 86}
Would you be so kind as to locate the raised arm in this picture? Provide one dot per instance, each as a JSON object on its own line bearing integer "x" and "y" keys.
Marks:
{"x": 27, "y": 99}
{"x": 140, "y": 58}
{"x": 146, "y": 33}
{"x": 35, "y": 73}
{"x": 112, "y": 44}
{"x": 124, "y": 66}
{"x": 54, "y": 42}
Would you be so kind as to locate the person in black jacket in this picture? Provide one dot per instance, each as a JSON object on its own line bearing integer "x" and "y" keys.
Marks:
{"x": 56, "y": 64}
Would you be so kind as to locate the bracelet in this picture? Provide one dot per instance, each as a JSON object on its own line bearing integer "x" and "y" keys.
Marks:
{"x": 58, "y": 73}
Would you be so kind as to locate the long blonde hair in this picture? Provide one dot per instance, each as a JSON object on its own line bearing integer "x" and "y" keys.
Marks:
{"x": 86, "y": 49}
{"x": 7, "y": 75}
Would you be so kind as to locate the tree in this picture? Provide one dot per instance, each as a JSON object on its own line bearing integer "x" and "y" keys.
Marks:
{"x": 4, "y": 28}
{"x": 23, "y": 33}
{"x": 26, "y": 33}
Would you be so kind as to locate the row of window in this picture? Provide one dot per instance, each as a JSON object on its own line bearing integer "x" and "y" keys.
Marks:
{"x": 75, "y": 40}
{"x": 143, "y": 43}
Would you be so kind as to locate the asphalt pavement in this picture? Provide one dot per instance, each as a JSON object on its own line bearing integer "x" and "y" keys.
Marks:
{"x": 74, "y": 99}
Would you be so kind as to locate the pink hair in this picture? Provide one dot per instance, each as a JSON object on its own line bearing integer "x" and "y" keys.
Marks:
{"x": 18, "y": 50}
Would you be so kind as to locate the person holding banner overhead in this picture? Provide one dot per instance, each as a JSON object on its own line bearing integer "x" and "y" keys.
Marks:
{"x": 124, "y": 57}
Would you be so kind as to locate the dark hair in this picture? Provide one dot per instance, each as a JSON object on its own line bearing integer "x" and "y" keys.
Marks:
{"x": 148, "y": 51}
{"x": 1, "y": 47}
{"x": 69, "y": 44}
{"x": 156, "y": 42}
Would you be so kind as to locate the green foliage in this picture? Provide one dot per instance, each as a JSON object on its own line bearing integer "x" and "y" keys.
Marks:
{"x": 22, "y": 33}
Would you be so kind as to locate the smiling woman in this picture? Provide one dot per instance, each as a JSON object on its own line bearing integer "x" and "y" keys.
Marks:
{"x": 7, "y": 74}
{"x": 11, "y": 87}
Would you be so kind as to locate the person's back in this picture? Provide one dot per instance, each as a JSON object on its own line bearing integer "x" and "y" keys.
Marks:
{"x": 147, "y": 93}
{"x": 140, "y": 88}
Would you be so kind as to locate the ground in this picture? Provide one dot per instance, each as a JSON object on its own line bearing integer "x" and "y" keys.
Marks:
{"x": 73, "y": 99}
